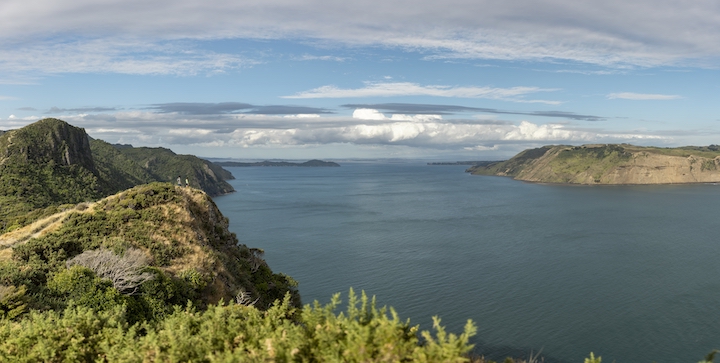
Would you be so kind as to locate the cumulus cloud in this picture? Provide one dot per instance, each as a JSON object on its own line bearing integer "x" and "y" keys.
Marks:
{"x": 390, "y": 89}
{"x": 371, "y": 114}
{"x": 642, "y": 96}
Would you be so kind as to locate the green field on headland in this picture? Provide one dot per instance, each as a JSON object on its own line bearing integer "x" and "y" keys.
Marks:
{"x": 610, "y": 164}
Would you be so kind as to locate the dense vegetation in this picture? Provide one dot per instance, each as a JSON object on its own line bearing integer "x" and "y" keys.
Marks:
{"x": 165, "y": 165}
{"x": 48, "y": 164}
{"x": 230, "y": 333}
{"x": 191, "y": 255}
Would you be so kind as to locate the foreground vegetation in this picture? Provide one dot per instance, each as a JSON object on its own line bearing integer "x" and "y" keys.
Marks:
{"x": 230, "y": 333}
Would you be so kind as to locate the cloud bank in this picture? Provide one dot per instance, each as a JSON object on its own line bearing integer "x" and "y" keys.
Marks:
{"x": 366, "y": 127}
{"x": 450, "y": 109}
{"x": 390, "y": 89}
{"x": 158, "y": 37}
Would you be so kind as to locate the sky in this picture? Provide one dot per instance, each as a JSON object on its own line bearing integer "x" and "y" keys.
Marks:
{"x": 422, "y": 79}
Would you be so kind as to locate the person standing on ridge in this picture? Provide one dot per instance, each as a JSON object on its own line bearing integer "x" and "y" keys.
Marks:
{"x": 179, "y": 181}
{"x": 187, "y": 183}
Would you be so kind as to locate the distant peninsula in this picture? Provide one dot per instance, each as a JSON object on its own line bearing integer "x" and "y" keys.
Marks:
{"x": 310, "y": 163}
{"x": 610, "y": 164}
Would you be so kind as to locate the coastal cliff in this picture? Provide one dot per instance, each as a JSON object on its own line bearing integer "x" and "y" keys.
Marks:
{"x": 610, "y": 164}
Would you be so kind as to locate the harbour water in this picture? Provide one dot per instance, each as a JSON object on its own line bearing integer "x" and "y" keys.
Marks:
{"x": 630, "y": 273}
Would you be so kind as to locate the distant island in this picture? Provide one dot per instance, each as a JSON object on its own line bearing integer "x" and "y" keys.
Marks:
{"x": 462, "y": 163}
{"x": 610, "y": 164}
{"x": 310, "y": 163}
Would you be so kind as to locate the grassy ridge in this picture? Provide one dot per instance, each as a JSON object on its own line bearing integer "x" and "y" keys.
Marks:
{"x": 609, "y": 164}
{"x": 191, "y": 253}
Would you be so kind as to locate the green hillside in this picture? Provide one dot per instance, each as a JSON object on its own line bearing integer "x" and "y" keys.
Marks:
{"x": 50, "y": 163}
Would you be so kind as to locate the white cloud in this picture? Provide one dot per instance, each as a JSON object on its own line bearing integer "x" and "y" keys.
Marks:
{"x": 371, "y": 114}
{"x": 642, "y": 96}
{"x": 394, "y": 89}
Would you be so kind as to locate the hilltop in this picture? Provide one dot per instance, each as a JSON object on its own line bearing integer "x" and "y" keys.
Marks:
{"x": 50, "y": 163}
{"x": 178, "y": 231}
{"x": 610, "y": 164}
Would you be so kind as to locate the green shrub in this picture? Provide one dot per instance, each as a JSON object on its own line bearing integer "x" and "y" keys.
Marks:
{"x": 12, "y": 301}
{"x": 80, "y": 286}
{"x": 230, "y": 333}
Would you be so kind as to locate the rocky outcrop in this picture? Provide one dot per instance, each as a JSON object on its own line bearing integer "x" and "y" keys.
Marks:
{"x": 610, "y": 164}
{"x": 48, "y": 140}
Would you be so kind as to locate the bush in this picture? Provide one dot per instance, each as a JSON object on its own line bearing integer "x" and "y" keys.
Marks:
{"x": 12, "y": 301}
{"x": 230, "y": 333}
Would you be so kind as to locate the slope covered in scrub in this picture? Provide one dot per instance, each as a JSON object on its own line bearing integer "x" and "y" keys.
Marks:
{"x": 179, "y": 230}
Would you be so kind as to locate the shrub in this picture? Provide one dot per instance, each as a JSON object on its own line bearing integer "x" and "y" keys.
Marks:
{"x": 12, "y": 301}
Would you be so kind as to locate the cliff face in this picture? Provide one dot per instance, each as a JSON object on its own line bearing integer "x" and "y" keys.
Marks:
{"x": 48, "y": 140}
{"x": 610, "y": 164}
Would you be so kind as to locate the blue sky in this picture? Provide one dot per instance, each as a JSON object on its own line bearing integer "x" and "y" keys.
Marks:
{"x": 454, "y": 80}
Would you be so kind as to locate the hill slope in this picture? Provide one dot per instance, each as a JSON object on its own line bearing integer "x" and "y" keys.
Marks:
{"x": 50, "y": 163}
{"x": 178, "y": 230}
{"x": 610, "y": 164}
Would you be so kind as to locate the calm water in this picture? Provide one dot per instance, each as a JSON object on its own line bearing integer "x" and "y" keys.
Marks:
{"x": 628, "y": 272}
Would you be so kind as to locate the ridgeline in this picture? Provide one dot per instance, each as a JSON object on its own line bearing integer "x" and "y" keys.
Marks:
{"x": 50, "y": 163}
{"x": 610, "y": 164}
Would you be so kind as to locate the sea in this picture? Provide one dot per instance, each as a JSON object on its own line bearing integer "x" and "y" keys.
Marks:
{"x": 630, "y": 273}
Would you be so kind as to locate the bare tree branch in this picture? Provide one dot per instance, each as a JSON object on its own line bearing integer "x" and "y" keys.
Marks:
{"x": 125, "y": 272}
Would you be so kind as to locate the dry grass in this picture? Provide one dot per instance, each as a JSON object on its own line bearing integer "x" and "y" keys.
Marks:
{"x": 5, "y": 254}
{"x": 40, "y": 227}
